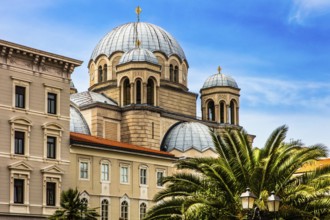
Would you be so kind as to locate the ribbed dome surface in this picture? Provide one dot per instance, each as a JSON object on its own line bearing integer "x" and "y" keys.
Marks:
{"x": 87, "y": 98}
{"x": 78, "y": 123}
{"x": 152, "y": 37}
{"x": 188, "y": 135}
{"x": 220, "y": 79}
{"x": 138, "y": 55}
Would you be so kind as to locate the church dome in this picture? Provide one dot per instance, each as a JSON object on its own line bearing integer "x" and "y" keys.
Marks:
{"x": 188, "y": 135}
{"x": 138, "y": 55}
{"x": 220, "y": 79}
{"x": 78, "y": 123}
{"x": 87, "y": 98}
{"x": 152, "y": 37}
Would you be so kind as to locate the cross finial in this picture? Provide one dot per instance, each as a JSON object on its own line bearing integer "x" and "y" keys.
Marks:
{"x": 138, "y": 11}
{"x": 138, "y": 43}
{"x": 219, "y": 69}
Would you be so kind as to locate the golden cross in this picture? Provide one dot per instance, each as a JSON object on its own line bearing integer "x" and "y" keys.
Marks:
{"x": 138, "y": 11}
{"x": 219, "y": 69}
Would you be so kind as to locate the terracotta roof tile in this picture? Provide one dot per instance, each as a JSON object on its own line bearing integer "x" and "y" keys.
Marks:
{"x": 314, "y": 165}
{"x": 98, "y": 141}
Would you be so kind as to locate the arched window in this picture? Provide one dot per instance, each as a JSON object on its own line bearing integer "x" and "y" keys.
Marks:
{"x": 100, "y": 74}
{"x": 84, "y": 202}
{"x": 124, "y": 210}
{"x": 143, "y": 210}
{"x": 232, "y": 112}
{"x": 176, "y": 74}
{"x": 171, "y": 73}
{"x": 127, "y": 92}
{"x": 138, "y": 92}
{"x": 210, "y": 111}
{"x": 222, "y": 112}
{"x": 105, "y": 72}
{"x": 104, "y": 209}
{"x": 150, "y": 92}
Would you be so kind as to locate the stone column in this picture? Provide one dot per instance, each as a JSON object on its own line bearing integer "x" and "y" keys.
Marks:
{"x": 132, "y": 93}
{"x": 144, "y": 93}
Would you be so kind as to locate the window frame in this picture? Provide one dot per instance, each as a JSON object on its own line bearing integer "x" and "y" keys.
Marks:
{"x": 21, "y": 83}
{"x": 87, "y": 171}
{"x": 121, "y": 175}
{"x": 22, "y": 191}
{"x": 20, "y": 124}
{"x": 162, "y": 171}
{"x": 124, "y": 210}
{"x": 51, "y": 147}
{"x": 17, "y": 140}
{"x": 143, "y": 177}
{"x": 144, "y": 214}
{"x": 104, "y": 163}
{"x": 20, "y": 98}
{"x": 56, "y": 91}
{"x": 104, "y": 213}
{"x": 52, "y": 190}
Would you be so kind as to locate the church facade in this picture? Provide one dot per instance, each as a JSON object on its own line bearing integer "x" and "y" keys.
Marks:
{"x": 113, "y": 142}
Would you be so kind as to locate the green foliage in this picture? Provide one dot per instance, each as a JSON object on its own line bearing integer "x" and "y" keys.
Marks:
{"x": 72, "y": 208}
{"x": 210, "y": 188}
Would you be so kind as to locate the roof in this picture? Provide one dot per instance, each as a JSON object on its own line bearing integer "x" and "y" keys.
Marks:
{"x": 152, "y": 37}
{"x": 86, "y": 98}
{"x": 219, "y": 79}
{"x": 77, "y": 138}
{"x": 77, "y": 121}
{"x": 188, "y": 135}
{"x": 314, "y": 165}
{"x": 138, "y": 55}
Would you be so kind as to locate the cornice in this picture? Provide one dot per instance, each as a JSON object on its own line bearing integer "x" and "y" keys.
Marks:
{"x": 38, "y": 57}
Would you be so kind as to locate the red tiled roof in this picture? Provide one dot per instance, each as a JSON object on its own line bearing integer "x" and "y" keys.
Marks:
{"x": 98, "y": 141}
{"x": 314, "y": 165}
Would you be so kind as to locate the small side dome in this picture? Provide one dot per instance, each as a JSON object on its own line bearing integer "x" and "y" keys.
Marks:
{"x": 186, "y": 136}
{"x": 78, "y": 123}
{"x": 87, "y": 98}
{"x": 221, "y": 80}
{"x": 138, "y": 55}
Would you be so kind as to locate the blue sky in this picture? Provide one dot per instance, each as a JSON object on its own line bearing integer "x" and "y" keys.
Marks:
{"x": 277, "y": 50}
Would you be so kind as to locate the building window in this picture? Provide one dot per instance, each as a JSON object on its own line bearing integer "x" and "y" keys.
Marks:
{"x": 143, "y": 176}
{"x": 171, "y": 73}
{"x": 51, "y": 147}
{"x": 160, "y": 175}
{"x": 143, "y": 210}
{"x": 100, "y": 74}
{"x": 19, "y": 97}
{"x": 124, "y": 210}
{"x": 19, "y": 142}
{"x": 52, "y": 103}
{"x": 84, "y": 202}
{"x": 138, "y": 92}
{"x": 210, "y": 111}
{"x": 105, "y": 72}
{"x": 150, "y": 92}
{"x": 232, "y": 112}
{"x": 104, "y": 209}
{"x": 18, "y": 191}
{"x": 222, "y": 112}
{"x": 104, "y": 172}
{"x": 83, "y": 170}
{"x": 127, "y": 92}
{"x": 124, "y": 174}
{"x": 50, "y": 194}
{"x": 176, "y": 74}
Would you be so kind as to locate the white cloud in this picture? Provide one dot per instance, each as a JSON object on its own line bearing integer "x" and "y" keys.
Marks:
{"x": 303, "y": 9}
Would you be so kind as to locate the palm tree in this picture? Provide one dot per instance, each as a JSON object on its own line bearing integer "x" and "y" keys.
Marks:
{"x": 209, "y": 188}
{"x": 72, "y": 208}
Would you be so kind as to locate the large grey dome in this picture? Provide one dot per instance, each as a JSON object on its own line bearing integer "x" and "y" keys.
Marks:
{"x": 186, "y": 136}
{"x": 78, "y": 123}
{"x": 138, "y": 55}
{"x": 220, "y": 79}
{"x": 152, "y": 37}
